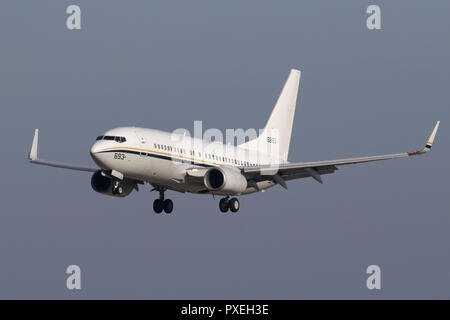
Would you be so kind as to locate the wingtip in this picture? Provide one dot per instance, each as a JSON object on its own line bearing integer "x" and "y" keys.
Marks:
{"x": 34, "y": 147}
{"x": 432, "y": 135}
{"x": 429, "y": 142}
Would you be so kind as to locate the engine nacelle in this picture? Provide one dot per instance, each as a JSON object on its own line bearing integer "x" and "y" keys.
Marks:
{"x": 104, "y": 185}
{"x": 225, "y": 180}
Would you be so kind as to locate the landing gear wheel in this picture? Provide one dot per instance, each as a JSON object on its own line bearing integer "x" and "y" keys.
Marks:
{"x": 158, "y": 205}
{"x": 223, "y": 204}
{"x": 117, "y": 188}
{"x": 234, "y": 205}
{"x": 168, "y": 206}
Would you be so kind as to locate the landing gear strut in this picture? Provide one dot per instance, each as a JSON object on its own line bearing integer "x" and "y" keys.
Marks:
{"x": 226, "y": 204}
{"x": 162, "y": 204}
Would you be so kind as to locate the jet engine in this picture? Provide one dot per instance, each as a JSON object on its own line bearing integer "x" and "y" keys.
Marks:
{"x": 105, "y": 185}
{"x": 225, "y": 180}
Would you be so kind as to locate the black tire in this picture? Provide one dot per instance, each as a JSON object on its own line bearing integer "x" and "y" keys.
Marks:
{"x": 234, "y": 205}
{"x": 168, "y": 206}
{"x": 223, "y": 205}
{"x": 117, "y": 190}
{"x": 158, "y": 206}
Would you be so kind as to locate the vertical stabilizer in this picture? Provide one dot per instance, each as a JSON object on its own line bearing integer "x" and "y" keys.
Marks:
{"x": 275, "y": 138}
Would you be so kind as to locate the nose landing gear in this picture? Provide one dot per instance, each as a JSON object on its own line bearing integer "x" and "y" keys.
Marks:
{"x": 117, "y": 188}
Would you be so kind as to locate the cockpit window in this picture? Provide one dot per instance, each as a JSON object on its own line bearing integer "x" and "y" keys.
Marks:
{"x": 112, "y": 138}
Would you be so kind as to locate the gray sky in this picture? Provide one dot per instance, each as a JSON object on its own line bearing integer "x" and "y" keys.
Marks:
{"x": 164, "y": 64}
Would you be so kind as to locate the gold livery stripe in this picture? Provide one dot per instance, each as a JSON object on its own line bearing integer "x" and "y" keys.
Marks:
{"x": 162, "y": 153}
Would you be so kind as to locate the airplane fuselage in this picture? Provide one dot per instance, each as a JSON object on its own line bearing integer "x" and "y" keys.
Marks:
{"x": 163, "y": 158}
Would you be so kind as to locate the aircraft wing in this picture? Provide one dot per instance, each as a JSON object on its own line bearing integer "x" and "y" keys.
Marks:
{"x": 33, "y": 157}
{"x": 288, "y": 171}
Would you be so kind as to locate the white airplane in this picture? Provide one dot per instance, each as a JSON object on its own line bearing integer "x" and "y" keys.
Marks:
{"x": 130, "y": 156}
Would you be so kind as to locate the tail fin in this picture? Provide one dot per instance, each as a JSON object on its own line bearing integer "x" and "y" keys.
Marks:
{"x": 276, "y": 135}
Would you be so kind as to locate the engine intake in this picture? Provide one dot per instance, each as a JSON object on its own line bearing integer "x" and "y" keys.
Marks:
{"x": 104, "y": 185}
{"x": 225, "y": 180}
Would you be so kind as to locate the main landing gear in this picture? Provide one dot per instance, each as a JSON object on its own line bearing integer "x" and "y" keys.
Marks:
{"x": 226, "y": 204}
{"x": 162, "y": 204}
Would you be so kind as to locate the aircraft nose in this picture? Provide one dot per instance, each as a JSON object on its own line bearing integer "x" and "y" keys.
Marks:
{"x": 94, "y": 149}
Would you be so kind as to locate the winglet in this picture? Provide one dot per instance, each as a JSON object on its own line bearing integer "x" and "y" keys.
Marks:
{"x": 432, "y": 135}
{"x": 429, "y": 141}
{"x": 34, "y": 147}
